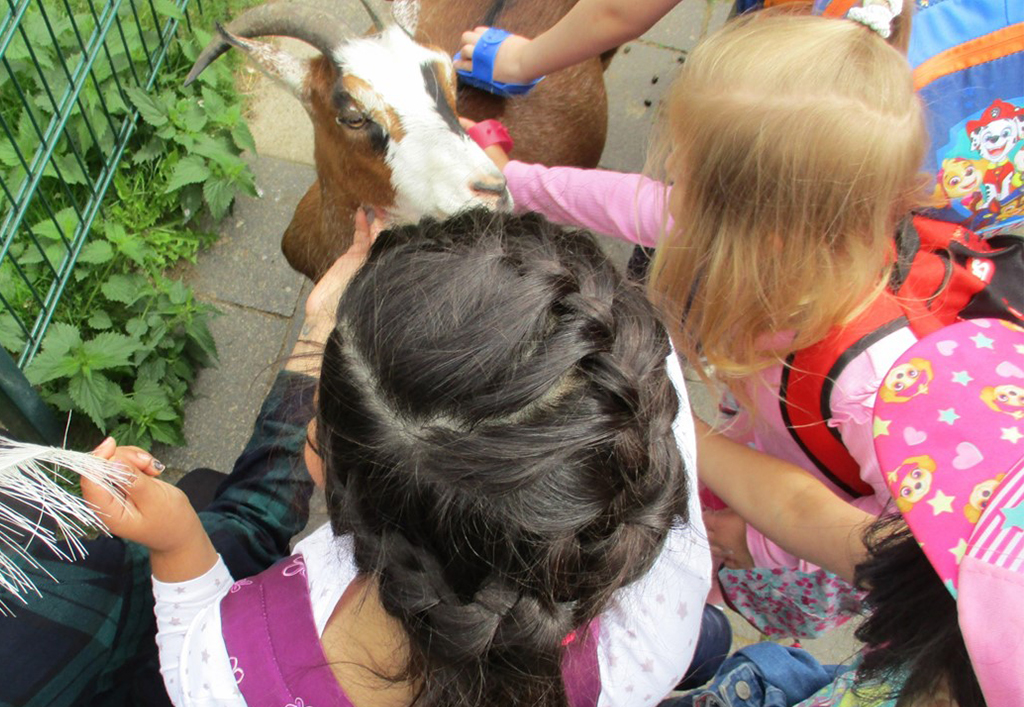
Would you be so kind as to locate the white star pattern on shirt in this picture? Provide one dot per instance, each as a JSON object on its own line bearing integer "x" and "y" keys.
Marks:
{"x": 206, "y": 656}
{"x": 981, "y": 341}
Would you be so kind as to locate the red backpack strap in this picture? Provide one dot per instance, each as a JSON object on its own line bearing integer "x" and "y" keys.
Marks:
{"x": 806, "y": 391}
{"x": 809, "y": 376}
{"x": 943, "y": 272}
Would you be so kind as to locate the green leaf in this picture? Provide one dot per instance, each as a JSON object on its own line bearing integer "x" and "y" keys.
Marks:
{"x": 97, "y": 396}
{"x": 12, "y": 337}
{"x": 222, "y": 151}
{"x": 152, "y": 370}
{"x": 243, "y": 137}
{"x": 213, "y": 103}
{"x": 168, "y": 9}
{"x": 194, "y": 118}
{"x": 8, "y": 153}
{"x": 62, "y": 337}
{"x": 153, "y": 148}
{"x": 137, "y": 327}
{"x": 219, "y": 194}
{"x": 132, "y": 247}
{"x": 96, "y": 252}
{"x": 65, "y": 220}
{"x": 100, "y": 320}
{"x": 191, "y": 198}
{"x": 109, "y": 350}
{"x": 125, "y": 289}
{"x": 70, "y": 168}
{"x": 167, "y": 433}
{"x": 115, "y": 104}
{"x": 191, "y": 170}
{"x": 199, "y": 333}
{"x": 152, "y": 110}
{"x": 58, "y": 357}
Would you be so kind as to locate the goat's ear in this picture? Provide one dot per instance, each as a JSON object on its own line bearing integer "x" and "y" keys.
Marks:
{"x": 285, "y": 68}
{"x": 406, "y": 14}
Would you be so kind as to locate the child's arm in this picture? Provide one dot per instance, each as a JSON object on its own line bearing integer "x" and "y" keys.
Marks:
{"x": 784, "y": 502}
{"x": 631, "y": 207}
{"x": 588, "y": 29}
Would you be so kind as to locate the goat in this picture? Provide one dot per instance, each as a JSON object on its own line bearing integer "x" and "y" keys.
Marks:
{"x": 383, "y": 107}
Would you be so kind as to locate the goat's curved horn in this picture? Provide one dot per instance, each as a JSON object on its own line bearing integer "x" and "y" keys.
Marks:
{"x": 378, "y": 26}
{"x": 320, "y": 29}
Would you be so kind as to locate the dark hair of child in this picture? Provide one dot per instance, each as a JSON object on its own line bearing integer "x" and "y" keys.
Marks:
{"x": 495, "y": 422}
{"x": 911, "y": 630}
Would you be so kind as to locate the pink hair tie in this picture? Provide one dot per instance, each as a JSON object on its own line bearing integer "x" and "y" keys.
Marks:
{"x": 877, "y": 15}
{"x": 491, "y": 132}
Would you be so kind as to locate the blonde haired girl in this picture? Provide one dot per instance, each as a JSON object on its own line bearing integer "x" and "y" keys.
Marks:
{"x": 796, "y": 141}
{"x": 794, "y": 147}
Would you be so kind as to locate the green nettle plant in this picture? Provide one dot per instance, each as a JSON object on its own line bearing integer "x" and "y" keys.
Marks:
{"x": 127, "y": 337}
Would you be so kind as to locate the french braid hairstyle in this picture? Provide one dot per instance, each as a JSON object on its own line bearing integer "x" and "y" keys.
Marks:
{"x": 495, "y": 421}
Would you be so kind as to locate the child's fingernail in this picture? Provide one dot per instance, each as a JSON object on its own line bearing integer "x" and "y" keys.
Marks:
{"x": 158, "y": 465}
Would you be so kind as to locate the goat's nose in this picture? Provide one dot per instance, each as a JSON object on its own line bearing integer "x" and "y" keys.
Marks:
{"x": 490, "y": 185}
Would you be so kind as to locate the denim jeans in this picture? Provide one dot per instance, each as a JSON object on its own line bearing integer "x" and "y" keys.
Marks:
{"x": 761, "y": 675}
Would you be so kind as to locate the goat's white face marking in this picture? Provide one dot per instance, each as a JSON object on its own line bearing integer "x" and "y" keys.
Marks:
{"x": 435, "y": 163}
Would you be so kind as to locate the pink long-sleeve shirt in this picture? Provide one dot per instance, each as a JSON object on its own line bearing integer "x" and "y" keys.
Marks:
{"x": 632, "y": 207}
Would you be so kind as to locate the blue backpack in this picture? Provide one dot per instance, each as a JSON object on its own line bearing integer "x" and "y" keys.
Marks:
{"x": 968, "y": 62}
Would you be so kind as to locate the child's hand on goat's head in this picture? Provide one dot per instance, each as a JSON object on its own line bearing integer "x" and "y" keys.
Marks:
{"x": 322, "y": 303}
{"x": 508, "y": 63}
{"x": 494, "y": 151}
{"x": 152, "y": 513}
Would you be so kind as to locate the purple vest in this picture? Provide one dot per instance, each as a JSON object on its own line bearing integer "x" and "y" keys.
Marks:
{"x": 278, "y": 661}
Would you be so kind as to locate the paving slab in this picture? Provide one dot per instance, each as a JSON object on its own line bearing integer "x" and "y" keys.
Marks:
{"x": 684, "y": 25}
{"x": 219, "y": 419}
{"x": 246, "y": 267}
{"x": 637, "y": 79}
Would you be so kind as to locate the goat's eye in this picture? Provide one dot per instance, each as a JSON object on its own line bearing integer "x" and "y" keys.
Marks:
{"x": 351, "y": 118}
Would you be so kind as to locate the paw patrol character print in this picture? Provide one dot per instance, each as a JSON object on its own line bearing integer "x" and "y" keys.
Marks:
{"x": 906, "y": 380}
{"x": 980, "y": 496}
{"x": 1007, "y": 399}
{"x": 917, "y": 482}
{"x": 993, "y": 136}
{"x": 959, "y": 185}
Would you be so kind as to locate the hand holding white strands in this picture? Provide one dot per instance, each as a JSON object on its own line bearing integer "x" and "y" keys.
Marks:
{"x": 59, "y": 519}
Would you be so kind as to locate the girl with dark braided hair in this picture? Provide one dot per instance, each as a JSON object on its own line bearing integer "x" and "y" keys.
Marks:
{"x": 506, "y": 449}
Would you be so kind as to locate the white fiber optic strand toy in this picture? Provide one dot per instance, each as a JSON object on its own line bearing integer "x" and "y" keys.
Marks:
{"x": 27, "y": 478}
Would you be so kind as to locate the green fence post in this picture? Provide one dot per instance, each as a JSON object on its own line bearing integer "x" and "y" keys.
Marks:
{"x": 22, "y": 411}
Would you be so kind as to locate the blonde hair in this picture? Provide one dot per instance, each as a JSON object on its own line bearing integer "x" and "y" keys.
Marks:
{"x": 796, "y": 143}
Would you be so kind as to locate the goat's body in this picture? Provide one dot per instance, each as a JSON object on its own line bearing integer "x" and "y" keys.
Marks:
{"x": 564, "y": 120}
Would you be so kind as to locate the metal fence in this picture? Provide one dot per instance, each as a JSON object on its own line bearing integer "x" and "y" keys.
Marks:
{"x": 66, "y": 70}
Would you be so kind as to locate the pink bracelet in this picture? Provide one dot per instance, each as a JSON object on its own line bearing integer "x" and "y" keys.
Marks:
{"x": 491, "y": 132}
